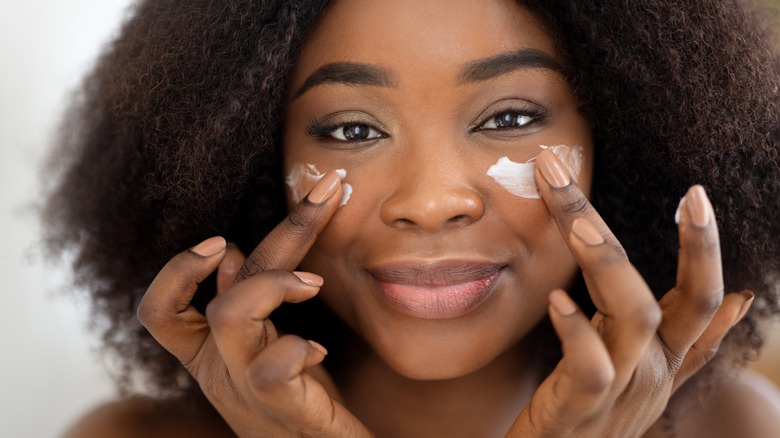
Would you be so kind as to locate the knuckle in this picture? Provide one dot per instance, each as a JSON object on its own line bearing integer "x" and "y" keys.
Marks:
{"x": 707, "y": 304}
{"x": 219, "y": 314}
{"x": 578, "y": 204}
{"x": 706, "y": 353}
{"x": 599, "y": 380}
{"x": 257, "y": 262}
{"x": 266, "y": 376}
{"x": 647, "y": 316}
{"x": 705, "y": 241}
{"x": 298, "y": 221}
{"x": 609, "y": 256}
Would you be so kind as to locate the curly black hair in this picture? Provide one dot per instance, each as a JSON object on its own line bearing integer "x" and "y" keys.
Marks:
{"x": 174, "y": 137}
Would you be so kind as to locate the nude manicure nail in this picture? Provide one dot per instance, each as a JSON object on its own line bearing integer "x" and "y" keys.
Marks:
{"x": 210, "y": 247}
{"x": 325, "y": 188}
{"x": 309, "y": 278}
{"x": 749, "y": 296}
{"x": 699, "y": 206}
{"x": 562, "y": 304}
{"x": 586, "y": 232}
{"x": 318, "y": 346}
{"x": 678, "y": 212}
{"x": 552, "y": 169}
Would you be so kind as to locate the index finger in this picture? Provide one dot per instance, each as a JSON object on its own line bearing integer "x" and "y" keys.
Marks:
{"x": 286, "y": 245}
{"x": 566, "y": 201}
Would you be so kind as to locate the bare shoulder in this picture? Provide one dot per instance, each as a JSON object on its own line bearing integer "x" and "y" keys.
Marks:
{"x": 746, "y": 407}
{"x": 146, "y": 417}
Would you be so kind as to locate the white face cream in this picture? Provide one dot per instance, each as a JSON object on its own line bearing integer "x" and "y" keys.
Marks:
{"x": 518, "y": 178}
{"x": 302, "y": 178}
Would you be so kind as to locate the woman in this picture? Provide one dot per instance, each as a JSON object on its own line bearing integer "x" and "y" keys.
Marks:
{"x": 429, "y": 165}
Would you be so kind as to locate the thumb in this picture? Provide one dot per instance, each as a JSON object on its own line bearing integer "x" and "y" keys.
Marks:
{"x": 165, "y": 308}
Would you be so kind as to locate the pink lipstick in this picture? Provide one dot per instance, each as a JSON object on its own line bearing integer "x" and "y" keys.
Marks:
{"x": 435, "y": 290}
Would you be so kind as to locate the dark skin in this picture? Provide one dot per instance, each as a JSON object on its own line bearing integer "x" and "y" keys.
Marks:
{"x": 631, "y": 356}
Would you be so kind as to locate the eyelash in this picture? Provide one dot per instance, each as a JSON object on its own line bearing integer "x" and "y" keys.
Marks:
{"x": 326, "y": 131}
{"x": 535, "y": 115}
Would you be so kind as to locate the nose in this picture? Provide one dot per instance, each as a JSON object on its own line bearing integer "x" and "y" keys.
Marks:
{"x": 432, "y": 195}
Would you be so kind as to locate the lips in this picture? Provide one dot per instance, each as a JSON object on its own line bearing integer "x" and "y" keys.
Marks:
{"x": 435, "y": 289}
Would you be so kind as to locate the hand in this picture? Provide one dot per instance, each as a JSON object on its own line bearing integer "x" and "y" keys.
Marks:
{"x": 620, "y": 368}
{"x": 261, "y": 383}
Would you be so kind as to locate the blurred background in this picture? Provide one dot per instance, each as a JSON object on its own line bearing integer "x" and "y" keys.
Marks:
{"x": 50, "y": 372}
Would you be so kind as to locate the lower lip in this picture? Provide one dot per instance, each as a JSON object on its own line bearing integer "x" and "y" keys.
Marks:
{"x": 437, "y": 302}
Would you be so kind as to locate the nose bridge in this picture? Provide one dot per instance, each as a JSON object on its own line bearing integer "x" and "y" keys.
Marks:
{"x": 434, "y": 191}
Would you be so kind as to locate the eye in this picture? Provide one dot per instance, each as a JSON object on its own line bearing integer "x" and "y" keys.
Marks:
{"x": 354, "y": 132}
{"x": 507, "y": 120}
{"x": 346, "y": 131}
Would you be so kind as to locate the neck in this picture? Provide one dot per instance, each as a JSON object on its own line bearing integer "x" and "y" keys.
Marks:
{"x": 482, "y": 403}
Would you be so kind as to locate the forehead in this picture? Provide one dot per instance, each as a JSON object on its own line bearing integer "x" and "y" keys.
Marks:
{"x": 416, "y": 35}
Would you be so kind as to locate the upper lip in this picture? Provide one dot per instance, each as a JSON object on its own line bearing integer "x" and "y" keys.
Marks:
{"x": 434, "y": 272}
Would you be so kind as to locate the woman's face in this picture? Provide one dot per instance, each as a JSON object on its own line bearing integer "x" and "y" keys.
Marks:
{"x": 438, "y": 265}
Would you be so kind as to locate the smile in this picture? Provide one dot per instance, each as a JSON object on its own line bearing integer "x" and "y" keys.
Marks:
{"x": 435, "y": 290}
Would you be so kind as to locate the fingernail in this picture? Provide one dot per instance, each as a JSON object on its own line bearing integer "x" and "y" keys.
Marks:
{"x": 210, "y": 247}
{"x": 678, "y": 212}
{"x": 745, "y": 306}
{"x": 552, "y": 169}
{"x": 319, "y": 346}
{"x": 325, "y": 188}
{"x": 309, "y": 278}
{"x": 586, "y": 232}
{"x": 561, "y": 302}
{"x": 699, "y": 206}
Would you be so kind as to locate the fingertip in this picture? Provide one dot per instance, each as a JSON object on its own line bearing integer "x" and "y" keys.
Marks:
{"x": 319, "y": 347}
{"x": 325, "y": 188}
{"x": 743, "y": 310}
{"x": 562, "y": 303}
{"x": 309, "y": 278}
{"x": 210, "y": 247}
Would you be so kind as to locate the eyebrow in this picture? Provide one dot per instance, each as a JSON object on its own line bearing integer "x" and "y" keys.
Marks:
{"x": 489, "y": 68}
{"x": 350, "y": 73}
{"x": 353, "y": 73}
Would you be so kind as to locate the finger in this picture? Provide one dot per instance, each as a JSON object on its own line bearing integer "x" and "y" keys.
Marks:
{"x": 691, "y": 304}
{"x": 278, "y": 379}
{"x": 239, "y": 317}
{"x": 165, "y": 308}
{"x": 228, "y": 269}
{"x": 586, "y": 372}
{"x": 284, "y": 247}
{"x": 579, "y": 384}
{"x": 631, "y": 312}
{"x": 567, "y": 203}
{"x": 733, "y": 309}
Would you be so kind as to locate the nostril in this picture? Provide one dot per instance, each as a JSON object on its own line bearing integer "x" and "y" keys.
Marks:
{"x": 404, "y": 223}
{"x": 461, "y": 218}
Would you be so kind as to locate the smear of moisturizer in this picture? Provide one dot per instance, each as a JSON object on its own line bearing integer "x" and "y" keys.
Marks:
{"x": 302, "y": 178}
{"x": 518, "y": 178}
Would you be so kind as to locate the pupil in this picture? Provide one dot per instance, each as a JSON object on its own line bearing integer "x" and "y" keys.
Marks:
{"x": 356, "y": 132}
{"x": 507, "y": 120}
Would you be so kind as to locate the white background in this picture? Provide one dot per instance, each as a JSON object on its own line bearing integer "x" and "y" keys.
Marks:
{"x": 50, "y": 373}
{"x": 49, "y": 370}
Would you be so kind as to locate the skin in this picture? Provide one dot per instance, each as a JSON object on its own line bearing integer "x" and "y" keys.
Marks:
{"x": 443, "y": 206}
{"x": 421, "y": 193}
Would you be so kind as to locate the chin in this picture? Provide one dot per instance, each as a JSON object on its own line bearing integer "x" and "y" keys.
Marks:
{"x": 426, "y": 356}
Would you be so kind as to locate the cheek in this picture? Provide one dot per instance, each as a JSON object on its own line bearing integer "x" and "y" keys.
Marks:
{"x": 301, "y": 178}
{"x": 518, "y": 178}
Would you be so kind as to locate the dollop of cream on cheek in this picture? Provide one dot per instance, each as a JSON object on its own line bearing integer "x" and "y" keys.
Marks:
{"x": 302, "y": 177}
{"x": 518, "y": 178}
